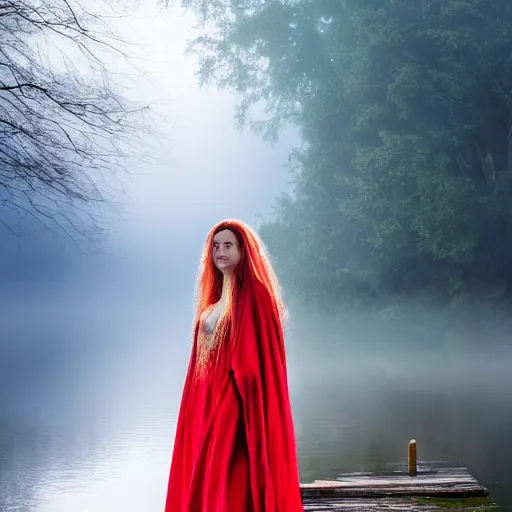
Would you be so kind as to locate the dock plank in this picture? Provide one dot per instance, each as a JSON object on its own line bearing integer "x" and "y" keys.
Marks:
{"x": 400, "y": 505}
{"x": 434, "y": 488}
{"x": 373, "y": 488}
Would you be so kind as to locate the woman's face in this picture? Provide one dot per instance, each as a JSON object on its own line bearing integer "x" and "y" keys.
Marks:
{"x": 226, "y": 252}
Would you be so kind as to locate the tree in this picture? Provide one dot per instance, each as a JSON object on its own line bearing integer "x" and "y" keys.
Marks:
{"x": 403, "y": 181}
{"x": 63, "y": 127}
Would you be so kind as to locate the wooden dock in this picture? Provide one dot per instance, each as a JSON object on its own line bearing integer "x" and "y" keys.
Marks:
{"x": 417, "y": 487}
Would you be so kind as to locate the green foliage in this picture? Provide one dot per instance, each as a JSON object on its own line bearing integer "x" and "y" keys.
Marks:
{"x": 404, "y": 178}
{"x": 461, "y": 504}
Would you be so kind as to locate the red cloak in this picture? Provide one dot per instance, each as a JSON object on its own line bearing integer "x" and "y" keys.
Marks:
{"x": 234, "y": 449}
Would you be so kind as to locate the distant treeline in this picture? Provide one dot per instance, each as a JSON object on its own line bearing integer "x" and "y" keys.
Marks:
{"x": 403, "y": 180}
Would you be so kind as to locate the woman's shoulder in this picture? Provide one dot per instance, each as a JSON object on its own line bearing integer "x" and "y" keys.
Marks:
{"x": 261, "y": 292}
{"x": 266, "y": 301}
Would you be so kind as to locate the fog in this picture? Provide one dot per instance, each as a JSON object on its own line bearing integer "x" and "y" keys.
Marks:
{"x": 92, "y": 358}
{"x": 92, "y": 389}
{"x": 94, "y": 348}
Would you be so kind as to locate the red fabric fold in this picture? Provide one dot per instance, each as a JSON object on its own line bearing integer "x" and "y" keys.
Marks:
{"x": 234, "y": 449}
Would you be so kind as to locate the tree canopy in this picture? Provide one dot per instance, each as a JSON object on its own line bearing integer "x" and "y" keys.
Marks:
{"x": 403, "y": 179}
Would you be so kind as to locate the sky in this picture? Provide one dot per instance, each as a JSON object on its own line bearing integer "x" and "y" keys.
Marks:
{"x": 193, "y": 171}
{"x": 204, "y": 170}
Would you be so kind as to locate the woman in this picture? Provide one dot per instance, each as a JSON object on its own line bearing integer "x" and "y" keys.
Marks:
{"x": 234, "y": 449}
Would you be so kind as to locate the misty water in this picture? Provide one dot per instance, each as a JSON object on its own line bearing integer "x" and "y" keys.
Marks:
{"x": 90, "y": 389}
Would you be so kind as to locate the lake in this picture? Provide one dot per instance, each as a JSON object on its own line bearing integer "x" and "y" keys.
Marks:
{"x": 90, "y": 392}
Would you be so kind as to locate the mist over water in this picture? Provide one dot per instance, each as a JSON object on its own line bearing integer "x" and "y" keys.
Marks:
{"x": 91, "y": 387}
{"x": 93, "y": 354}
{"x": 362, "y": 388}
{"x": 90, "y": 395}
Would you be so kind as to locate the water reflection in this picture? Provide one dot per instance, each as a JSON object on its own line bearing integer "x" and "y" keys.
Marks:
{"x": 456, "y": 406}
{"x": 87, "y": 418}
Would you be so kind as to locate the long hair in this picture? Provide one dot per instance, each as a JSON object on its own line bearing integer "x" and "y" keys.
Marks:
{"x": 254, "y": 265}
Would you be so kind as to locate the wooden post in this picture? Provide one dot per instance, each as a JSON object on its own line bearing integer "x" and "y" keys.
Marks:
{"x": 413, "y": 464}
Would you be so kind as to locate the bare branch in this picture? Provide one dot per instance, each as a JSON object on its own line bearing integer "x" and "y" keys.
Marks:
{"x": 62, "y": 129}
